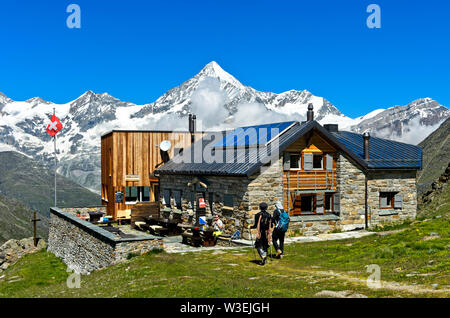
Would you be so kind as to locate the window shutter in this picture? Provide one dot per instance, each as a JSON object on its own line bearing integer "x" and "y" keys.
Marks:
{"x": 177, "y": 197}
{"x": 383, "y": 201}
{"x": 286, "y": 161}
{"x": 133, "y": 192}
{"x": 329, "y": 162}
{"x": 319, "y": 204}
{"x": 166, "y": 197}
{"x": 307, "y": 161}
{"x": 398, "y": 201}
{"x": 337, "y": 203}
{"x": 146, "y": 194}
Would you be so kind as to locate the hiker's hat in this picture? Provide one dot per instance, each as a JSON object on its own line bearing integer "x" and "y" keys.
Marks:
{"x": 263, "y": 206}
{"x": 278, "y": 205}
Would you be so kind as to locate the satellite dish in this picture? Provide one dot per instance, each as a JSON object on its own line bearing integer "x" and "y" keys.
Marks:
{"x": 165, "y": 145}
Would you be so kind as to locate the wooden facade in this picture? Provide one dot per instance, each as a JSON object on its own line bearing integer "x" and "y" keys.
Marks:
{"x": 128, "y": 160}
{"x": 309, "y": 176}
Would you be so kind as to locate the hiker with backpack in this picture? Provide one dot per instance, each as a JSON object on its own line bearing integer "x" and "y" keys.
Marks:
{"x": 263, "y": 224}
{"x": 281, "y": 220}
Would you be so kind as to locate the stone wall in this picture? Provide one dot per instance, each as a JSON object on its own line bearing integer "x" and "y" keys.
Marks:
{"x": 85, "y": 247}
{"x": 217, "y": 185}
{"x": 351, "y": 186}
{"x": 402, "y": 182}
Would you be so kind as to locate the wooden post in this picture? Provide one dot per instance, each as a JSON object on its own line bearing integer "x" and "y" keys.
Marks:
{"x": 35, "y": 220}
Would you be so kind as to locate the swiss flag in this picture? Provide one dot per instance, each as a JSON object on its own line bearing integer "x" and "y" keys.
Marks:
{"x": 54, "y": 126}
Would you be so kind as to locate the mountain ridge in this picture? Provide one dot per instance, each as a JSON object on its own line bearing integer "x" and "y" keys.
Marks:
{"x": 218, "y": 98}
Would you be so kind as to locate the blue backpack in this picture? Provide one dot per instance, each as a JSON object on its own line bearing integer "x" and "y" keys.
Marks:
{"x": 283, "y": 223}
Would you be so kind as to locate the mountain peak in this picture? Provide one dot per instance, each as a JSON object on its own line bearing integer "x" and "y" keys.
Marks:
{"x": 213, "y": 69}
{"x": 4, "y": 99}
{"x": 37, "y": 100}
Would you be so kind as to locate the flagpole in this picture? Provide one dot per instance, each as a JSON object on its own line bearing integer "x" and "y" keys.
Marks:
{"x": 56, "y": 161}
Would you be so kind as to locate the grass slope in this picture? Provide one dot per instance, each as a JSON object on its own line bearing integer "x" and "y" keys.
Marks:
{"x": 436, "y": 155}
{"x": 32, "y": 183}
{"x": 15, "y": 220}
{"x": 411, "y": 263}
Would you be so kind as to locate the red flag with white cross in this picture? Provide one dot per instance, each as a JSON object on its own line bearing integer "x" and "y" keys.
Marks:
{"x": 54, "y": 126}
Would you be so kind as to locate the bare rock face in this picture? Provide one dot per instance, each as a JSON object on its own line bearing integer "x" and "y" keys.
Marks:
{"x": 436, "y": 186}
{"x": 13, "y": 250}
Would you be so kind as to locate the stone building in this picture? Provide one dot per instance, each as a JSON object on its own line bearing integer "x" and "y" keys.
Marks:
{"x": 326, "y": 179}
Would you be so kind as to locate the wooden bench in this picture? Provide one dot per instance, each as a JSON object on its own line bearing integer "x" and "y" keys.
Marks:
{"x": 123, "y": 215}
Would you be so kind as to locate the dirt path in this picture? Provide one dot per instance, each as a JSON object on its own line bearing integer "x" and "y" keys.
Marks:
{"x": 386, "y": 285}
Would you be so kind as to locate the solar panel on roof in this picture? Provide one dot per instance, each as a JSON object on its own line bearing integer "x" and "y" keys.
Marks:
{"x": 253, "y": 135}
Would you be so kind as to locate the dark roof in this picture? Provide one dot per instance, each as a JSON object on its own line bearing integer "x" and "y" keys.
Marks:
{"x": 384, "y": 154}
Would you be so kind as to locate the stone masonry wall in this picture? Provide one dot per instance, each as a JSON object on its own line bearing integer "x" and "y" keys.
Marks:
{"x": 351, "y": 185}
{"x": 219, "y": 186}
{"x": 403, "y": 182}
{"x": 85, "y": 247}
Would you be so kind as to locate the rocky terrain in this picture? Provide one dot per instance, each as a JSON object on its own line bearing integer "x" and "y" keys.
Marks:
{"x": 13, "y": 250}
{"x": 436, "y": 156}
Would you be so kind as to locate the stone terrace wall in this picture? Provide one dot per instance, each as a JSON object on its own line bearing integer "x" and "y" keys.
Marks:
{"x": 85, "y": 247}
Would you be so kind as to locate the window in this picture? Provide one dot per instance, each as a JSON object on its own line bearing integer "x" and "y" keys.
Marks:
{"x": 328, "y": 202}
{"x": 228, "y": 200}
{"x": 295, "y": 161}
{"x": 391, "y": 200}
{"x": 317, "y": 162}
{"x": 131, "y": 195}
{"x": 137, "y": 194}
{"x": 306, "y": 204}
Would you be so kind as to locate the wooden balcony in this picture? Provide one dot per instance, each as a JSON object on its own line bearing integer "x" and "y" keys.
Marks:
{"x": 309, "y": 181}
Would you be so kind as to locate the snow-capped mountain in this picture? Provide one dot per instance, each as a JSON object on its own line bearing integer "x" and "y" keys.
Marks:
{"x": 212, "y": 91}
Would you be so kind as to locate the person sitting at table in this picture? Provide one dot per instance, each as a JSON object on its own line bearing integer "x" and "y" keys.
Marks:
{"x": 217, "y": 225}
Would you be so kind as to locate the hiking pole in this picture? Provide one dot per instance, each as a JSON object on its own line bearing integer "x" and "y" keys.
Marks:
{"x": 253, "y": 245}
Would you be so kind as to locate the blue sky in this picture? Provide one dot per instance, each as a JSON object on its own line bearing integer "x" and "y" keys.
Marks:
{"x": 137, "y": 50}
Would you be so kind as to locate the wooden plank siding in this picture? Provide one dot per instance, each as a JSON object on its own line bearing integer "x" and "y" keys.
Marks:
{"x": 311, "y": 181}
{"x": 134, "y": 153}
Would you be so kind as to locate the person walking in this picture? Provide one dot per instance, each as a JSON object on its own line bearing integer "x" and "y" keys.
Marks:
{"x": 281, "y": 220}
{"x": 263, "y": 224}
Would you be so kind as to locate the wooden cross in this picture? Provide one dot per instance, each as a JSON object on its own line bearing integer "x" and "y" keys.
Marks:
{"x": 35, "y": 220}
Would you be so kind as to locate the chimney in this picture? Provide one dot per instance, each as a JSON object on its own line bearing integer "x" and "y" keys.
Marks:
{"x": 190, "y": 124}
{"x": 192, "y": 128}
{"x": 310, "y": 113}
{"x": 366, "y": 137}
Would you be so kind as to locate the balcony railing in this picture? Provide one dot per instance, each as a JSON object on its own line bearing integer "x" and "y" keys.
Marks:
{"x": 315, "y": 180}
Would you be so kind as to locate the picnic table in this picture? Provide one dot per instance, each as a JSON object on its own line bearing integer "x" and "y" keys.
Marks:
{"x": 162, "y": 226}
{"x": 194, "y": 235}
